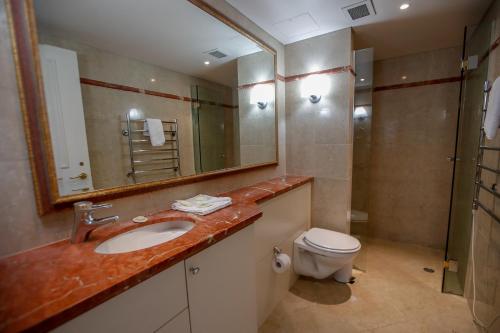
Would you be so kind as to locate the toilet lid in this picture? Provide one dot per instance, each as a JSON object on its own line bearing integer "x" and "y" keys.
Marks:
{"x": 331, "y": 240}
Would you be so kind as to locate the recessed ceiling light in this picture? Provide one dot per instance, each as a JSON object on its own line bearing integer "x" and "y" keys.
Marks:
{"x": 361, "y": 79}
{"x": 404, "y": 6}
{"x": 403, "y": 77}
{"x": 152, "y": 79}
{"x": 207, "y": 63}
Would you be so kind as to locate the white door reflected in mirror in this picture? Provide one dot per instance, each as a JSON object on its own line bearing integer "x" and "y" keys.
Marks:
{"x": 61, "y": 81}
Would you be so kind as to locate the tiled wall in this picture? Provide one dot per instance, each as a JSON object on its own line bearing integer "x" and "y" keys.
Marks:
{"x": 413, "y": 133}
{"x": 487, "y": 231}
{"x": 22, "y": 228}
{"x": 257, "y": 127}
{"x": 361, "y": 151}
{"x": 319, "y": 136}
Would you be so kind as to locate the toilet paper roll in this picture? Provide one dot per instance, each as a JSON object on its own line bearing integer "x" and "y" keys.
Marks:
{"x": 281, "y": 263}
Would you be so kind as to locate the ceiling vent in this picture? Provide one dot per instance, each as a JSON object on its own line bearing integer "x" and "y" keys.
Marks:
{"x": 359, "y": 10}
{"x": 218, "y": 54}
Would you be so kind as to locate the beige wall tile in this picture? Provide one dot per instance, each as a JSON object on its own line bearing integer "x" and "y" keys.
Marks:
{"x": 322, "y": 52}
{"x": 257, "y": 126}
{"x": 413, "y": 133}
{"x": 423, "y": 66}
{"x": 319, "y": 136}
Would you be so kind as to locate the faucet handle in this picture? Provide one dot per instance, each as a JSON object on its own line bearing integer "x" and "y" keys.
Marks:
{"x": 85, "y": 221}
{"x": 83, "y": 205}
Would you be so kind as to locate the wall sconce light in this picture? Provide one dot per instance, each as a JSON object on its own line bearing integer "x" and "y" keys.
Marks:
{"x": 262, "y": 105}
{"x": 314, "y": 98}
{"x": 360, "y": 112}
{"x": 314, "y": 86}
{"x": 261, "y": 95}
{"x": 135, "y": 114}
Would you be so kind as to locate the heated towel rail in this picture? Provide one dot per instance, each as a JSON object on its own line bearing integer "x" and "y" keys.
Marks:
{"x": 479, "y": 185}
{"x": 146, "y": 159}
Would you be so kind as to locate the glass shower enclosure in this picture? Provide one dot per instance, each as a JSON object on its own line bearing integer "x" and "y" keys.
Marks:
{"x": 362, "y": 127}
{"x": 467, "y": 144}
{"x": 215, "y": 131}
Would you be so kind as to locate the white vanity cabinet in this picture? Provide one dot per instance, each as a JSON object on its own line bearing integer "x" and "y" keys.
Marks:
{"x": 221, "y": 286}
{"x": 221, "y": 289}
{"x": 146, "y": 307}
{"x": 179, "y": 324}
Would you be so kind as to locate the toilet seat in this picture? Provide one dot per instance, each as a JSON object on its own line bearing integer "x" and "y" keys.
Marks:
{"x": 331, "y": 241}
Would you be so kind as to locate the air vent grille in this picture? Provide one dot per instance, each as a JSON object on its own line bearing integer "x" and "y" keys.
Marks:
{"x": 358, "y": 12}
{"x": 218, "y": 54}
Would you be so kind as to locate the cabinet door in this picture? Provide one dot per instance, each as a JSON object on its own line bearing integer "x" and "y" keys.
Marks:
{"x": 143, "y": 308}
{"x": 221, "y": 286}
{"x": 179, "y": 324}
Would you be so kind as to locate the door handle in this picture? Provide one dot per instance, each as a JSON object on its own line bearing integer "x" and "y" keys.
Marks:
{"x": 82, "y": 176}
{"x": 194, "y": 270}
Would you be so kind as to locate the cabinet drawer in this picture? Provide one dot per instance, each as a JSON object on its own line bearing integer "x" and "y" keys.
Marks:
{"x": 179, "y": 324}
{"x": 143, "y": 308}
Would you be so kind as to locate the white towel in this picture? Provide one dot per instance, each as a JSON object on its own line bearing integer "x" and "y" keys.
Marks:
{"x": 492, "y": 120}
{"x": 154, "y": 128}
{"x": 202, "y": 204}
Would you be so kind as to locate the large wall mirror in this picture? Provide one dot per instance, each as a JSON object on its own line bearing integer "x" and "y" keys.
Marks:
{"x": 145, "y": 93}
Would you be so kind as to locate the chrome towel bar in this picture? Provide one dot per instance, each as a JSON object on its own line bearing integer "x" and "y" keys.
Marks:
{"x": 137, "y": 145}
{"x": 488, "y": 169}
{"x": 479, "y": 162}
{"x": 487, "y": 189}
{"x": 489, "y": 148}
{"x": 487, "y": 210}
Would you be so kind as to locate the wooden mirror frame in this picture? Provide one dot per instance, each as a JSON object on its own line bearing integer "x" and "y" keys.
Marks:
{"x": 23, "y": 32}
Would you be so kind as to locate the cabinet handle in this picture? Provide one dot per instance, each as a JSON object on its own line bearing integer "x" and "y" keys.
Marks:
{"x": 194, "y": 270}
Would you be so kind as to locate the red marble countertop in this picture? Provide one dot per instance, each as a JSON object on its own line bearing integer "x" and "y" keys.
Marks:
{"x": 47, "y": 286}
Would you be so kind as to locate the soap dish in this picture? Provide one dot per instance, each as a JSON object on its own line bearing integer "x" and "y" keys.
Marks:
{"x": 140, "y": 219}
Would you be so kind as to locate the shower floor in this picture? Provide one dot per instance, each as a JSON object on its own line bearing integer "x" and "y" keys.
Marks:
{"x": 395, "y": 294}
{"x": 452, "y": 283}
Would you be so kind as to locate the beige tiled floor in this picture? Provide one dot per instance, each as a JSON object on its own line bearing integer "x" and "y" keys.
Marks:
{"x": 393, "y": 295}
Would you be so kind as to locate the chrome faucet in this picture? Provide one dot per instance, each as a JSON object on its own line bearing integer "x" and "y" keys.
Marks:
{"x": 85, "y": 222}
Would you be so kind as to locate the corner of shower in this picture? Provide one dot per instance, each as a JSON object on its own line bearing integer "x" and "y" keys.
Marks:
{"x": 471, "y": 100}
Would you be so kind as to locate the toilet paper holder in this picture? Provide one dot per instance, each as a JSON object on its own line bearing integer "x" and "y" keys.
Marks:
{"x": 276, "y": 251}
{"x": 281, "y": 261}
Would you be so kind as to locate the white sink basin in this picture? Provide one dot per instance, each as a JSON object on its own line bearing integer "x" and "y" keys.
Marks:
{"x": 144, "y": 237}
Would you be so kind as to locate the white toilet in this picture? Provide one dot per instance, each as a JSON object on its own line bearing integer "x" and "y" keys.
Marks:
{"x": 320, "y": 253}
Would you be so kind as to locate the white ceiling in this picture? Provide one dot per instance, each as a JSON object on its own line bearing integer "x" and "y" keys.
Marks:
{"x": 426, "y": 25}
{"x": 173, "y": 34}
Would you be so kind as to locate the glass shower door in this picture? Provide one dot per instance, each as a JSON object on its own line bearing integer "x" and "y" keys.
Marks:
{"x": 362, "y": 127}
{"x": 208, "y": 130}
{"x": 460, "y": 219}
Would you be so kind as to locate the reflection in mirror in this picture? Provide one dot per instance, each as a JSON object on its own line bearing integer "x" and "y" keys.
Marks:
{"x": 362, "y": 116}
{"x": 151, "y": 90}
